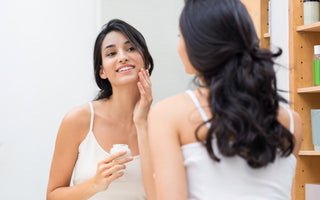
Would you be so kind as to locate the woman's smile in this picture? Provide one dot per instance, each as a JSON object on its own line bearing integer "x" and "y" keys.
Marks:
{"x": 125, "y": 68}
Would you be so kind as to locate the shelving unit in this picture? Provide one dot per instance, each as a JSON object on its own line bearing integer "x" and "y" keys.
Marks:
{"x": 315, "y": 27}
{"x": 309, "y": 153}
{"x": 258, "y": 10}
{"x": 314, "y": 89}
{"x": 304, "y": 95}
{"x": 266, "y": 35}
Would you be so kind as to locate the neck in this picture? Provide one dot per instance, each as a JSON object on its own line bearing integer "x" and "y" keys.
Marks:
{"x": 122, "y": 102}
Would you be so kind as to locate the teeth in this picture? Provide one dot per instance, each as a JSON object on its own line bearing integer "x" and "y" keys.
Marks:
{"x": 125, "y": 69}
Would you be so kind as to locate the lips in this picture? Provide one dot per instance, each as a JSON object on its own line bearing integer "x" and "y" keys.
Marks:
{"x": 125, "y": 68}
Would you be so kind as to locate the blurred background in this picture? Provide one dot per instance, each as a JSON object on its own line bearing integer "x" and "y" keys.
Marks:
{"x": 46, "y": 69}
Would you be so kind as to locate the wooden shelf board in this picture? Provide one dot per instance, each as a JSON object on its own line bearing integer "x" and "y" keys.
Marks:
{"x": 309, "y": 153}
{"x": 266, "y": 35}
{"x": 314, "y": 27}
{"x": 314, "y": 89}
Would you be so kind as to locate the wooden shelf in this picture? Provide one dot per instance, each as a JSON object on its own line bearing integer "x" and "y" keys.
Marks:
{"x": 258, "y": 10}
{"x": 314, "y": 27}
{"x": 314, "y": 89}
{"x": 303, "y": 98}
{"x": 309, "y": 153}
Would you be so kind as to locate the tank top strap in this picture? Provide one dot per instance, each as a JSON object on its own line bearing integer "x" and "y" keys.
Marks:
{"x": 291, "y": 119}
{"x": 92, "y": 116}
{"x": 200, "y": 109}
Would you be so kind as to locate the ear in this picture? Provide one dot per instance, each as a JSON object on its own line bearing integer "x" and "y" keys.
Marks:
{"x": 148, "y": 67}
{"x": 103, "y": 75}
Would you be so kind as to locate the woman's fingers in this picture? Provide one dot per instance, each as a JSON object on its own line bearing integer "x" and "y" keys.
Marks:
{"x": 143, "y": 105}
{"x": 145, "y": 78}
{"x": 141, "y": 89}
{"x": 110, "y": 161}
{"x": 148, "y": 76}
{"x": 114, "y": 156}
{"x": 144, "y": 84}
{"x": 113, "y": 170}
{"x": 115, "y": 176}
{"x": 108, "y": 169}
{"x": 103, "y": 167}
{"x": 123, "y": 160}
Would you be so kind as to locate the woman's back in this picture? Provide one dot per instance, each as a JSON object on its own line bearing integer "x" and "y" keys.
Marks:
{"x": 231, "y": 177}
{"x": 239, "y": 95}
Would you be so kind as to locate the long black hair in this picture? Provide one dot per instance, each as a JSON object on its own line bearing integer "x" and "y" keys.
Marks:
{"x": 223, "y": 47}
{"x": 135, "y": 38}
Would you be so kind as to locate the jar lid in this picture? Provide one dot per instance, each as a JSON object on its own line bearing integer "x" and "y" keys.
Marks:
{"x": 310, "y": 0}
{"x": 120, "y": 145}
{"x": 317, "y": 49}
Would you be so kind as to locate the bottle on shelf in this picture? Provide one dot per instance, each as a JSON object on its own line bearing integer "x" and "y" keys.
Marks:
{"x": 316, "y": 65}
{"x": 311, "y": 11}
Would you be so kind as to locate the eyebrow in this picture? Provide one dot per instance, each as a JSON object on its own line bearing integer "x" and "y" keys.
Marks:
{"x": 112, "y": 45}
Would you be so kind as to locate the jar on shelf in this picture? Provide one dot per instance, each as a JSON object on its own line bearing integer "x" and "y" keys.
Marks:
{"x": 311, "y": 11}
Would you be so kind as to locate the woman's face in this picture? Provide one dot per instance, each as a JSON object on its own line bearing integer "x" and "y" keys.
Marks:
{"x": 184, "y": 56}
{"x": 121, "y": 62}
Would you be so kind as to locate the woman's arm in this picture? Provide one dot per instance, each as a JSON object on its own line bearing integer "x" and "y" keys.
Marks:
{"x": 146, "y": 162}
{"x": 65, "y": 156}
{"x": 141, "y": 122}
{"x": 169, "y": 171}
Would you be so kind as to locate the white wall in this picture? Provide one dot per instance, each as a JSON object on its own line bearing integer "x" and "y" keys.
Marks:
{"x": 280, "y": 38}
{"x": 46, "y": 69}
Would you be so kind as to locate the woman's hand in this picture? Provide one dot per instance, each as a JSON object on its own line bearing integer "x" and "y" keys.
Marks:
{"x": 140, "y": 113}
{"x": 107, "y": 170}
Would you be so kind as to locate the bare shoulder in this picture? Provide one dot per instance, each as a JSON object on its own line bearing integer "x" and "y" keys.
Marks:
{"x": 181, "y": 105}
{"x": 284, "y": 119}
{"x": 173, "y": 105}
{"x": 76, "y": 122}
{"x": 78, "y": 114}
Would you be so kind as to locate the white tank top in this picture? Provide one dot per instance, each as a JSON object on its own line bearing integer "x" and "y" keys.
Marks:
{"x": 128, "y": 187}
{"x": 232, "y": 178}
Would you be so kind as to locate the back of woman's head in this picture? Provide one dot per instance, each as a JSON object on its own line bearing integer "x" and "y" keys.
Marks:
{"x": 223, "y": 47}
{"x": 134, "y": 37}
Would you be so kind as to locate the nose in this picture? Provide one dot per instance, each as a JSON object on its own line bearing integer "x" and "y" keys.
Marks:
{"x": 123, "y": 57}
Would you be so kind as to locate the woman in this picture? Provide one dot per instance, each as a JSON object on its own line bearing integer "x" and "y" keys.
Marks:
{"x": 230, "y": 138}
{"x": 122, "y": 64}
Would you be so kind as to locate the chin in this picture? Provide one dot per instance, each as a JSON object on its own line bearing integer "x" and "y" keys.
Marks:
{"x": 128, "y": 80}
{"x": 191, "y": 72}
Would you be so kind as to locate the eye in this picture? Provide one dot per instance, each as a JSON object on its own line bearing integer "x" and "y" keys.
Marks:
{"x": 131, "y": 49}
{"x": 110, "y": 53}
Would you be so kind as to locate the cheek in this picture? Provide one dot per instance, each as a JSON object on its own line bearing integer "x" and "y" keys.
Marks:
{"x": 138, "y": 60}
{"x": 108, "y": 66}
{"x": 185, "y": 59}
{"x": 105, "y": 66}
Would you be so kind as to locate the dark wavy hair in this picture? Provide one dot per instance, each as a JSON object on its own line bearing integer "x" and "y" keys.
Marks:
{"x": 223, "y": 47}
{"x": 133, "y": 36}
